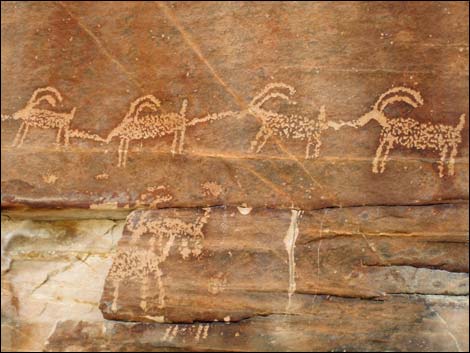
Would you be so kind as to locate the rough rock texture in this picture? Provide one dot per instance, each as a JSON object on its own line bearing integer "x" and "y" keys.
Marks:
{"x": 221, "y": 264}
{"x": 51, "y": 271}
{"x": 405, "y": 323}
{"x": 235, "y": 176}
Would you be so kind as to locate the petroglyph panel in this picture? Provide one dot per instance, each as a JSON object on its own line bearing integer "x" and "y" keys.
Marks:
{"x": 222, "y": 264}
{"x": 279, "y": 118}
{"x": 291, "y": 176}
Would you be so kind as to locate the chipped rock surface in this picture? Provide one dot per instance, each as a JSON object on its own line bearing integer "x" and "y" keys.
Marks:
{"x": 246, "y": 176}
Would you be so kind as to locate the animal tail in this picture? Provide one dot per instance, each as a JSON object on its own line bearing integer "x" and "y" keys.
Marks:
{"x": 85, "y": 135}
{"x": 212, "y": 117}
{"x": 461, "y": 123}
{"x": 72, "y": 112}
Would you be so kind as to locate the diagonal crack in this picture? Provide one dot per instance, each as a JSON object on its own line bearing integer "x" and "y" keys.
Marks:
{"x": 195, "y": 48}
{"x": 55, "y": 272}
{"x": 445, "y": 324}
{"x": 100, "y": 45}
{"x": 270, "y": 184}
{"x": 240, "y": 101}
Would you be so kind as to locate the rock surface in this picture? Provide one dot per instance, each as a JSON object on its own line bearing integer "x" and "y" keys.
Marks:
{"x": 220, "y": 264}
{"x": 244, "y": 176}
{"x": 408, "y": 323}
{"x": 101, "y": 59}
{"x": 51, "y": 271}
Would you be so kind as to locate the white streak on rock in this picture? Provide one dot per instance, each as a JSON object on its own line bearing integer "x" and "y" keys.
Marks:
{"x": 159, "y": 319}
{"x": 289, "y": 242}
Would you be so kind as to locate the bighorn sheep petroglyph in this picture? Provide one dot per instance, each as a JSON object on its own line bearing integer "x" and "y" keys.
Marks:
{"x": 295, "y": 127}
{"x": 410, "y": 133}
{"x": 144, "y": 262}
{"x": 33, "y": 116}
{"x": 143, "y": 121}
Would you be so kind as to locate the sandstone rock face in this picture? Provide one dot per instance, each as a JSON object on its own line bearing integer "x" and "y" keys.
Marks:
{"x": 52, "y": 270}
{"x": 208, "y": 66}
{"x": 399, "y": 324}
{"x": 222, "y": 265}
{"x": 240, "y": 176}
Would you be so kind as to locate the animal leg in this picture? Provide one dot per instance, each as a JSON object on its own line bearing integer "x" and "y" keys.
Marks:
{"x": 255, "y": 142}
{"x": 59, "y": 132}
{"x": 126, "y": 149}
{"x": 66, "y": 135}
{"x": 175, "y": 140}
{"x": 182, "y": 132}
{"x": 388, "y": 147}
{"x": 266, "y": 136}
{"x": 18, "y": 134}
{"x": 316, "y": 148}
{"x": 120, "y": 150}
{"x": 451, "y": 165}
{"x": 316, "y": 151}
{"x": 378, "y": 156}
{"x": 442, "y": 161}
{"x": 161, "y": 292}
{"x": 115, "y": 296}
{"x": 260, "y": 140}
{"x": 307, "y": 150}
{"x": 145, "y": 292}
{"x": 25, "y": 131}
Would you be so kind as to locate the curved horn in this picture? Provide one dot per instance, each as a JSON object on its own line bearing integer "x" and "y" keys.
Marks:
{"x": 144, "y": 105}
{"x": 401, "y": 94}
{"x": 263, "y": 96}
{"x": 141, "y": 103}
{"x": 53, "y": 96}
